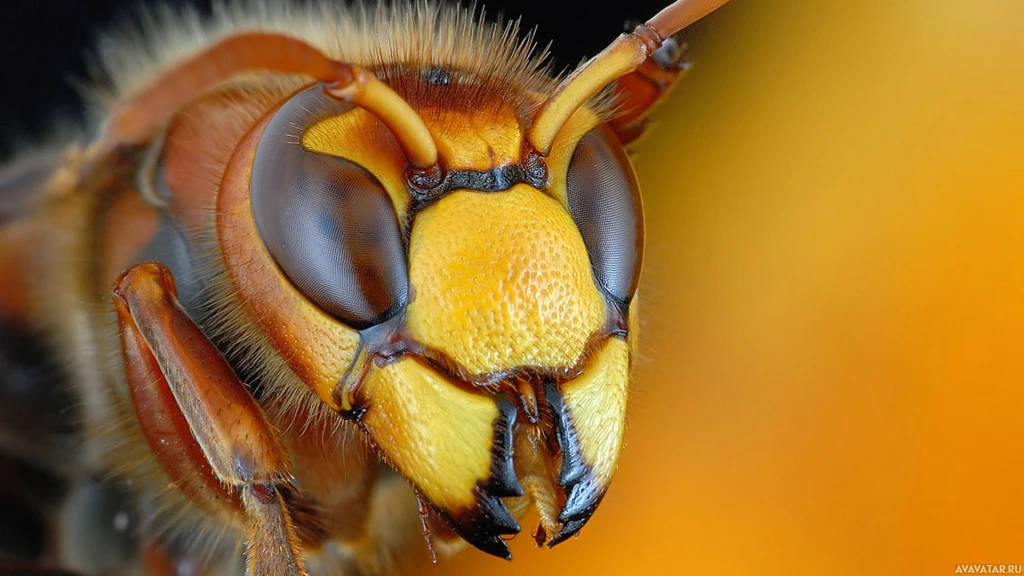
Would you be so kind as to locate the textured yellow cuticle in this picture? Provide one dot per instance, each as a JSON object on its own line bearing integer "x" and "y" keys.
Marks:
{"x": 502, "y": 280}
{"x": 437, "y": 435}
{"x": 596, "y": 401}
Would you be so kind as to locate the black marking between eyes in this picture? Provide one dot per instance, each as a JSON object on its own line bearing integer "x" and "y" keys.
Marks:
{"x": 497, "y": 179}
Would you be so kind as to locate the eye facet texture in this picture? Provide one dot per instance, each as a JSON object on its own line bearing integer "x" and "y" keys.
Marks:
{"x": 604, "y": 199}
{"x": 328, "y": 223}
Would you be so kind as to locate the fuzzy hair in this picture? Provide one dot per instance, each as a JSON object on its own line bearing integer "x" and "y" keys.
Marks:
{"x": 383, "y": 38}
{"x": 379, "y": 37}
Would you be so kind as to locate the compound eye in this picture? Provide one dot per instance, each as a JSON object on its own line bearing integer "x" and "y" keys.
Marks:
{"x": 328, "y": 223}
{"x": 604, "y": 199}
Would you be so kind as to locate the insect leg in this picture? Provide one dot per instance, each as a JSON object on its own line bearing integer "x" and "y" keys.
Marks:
{"x": 205, "y": 428}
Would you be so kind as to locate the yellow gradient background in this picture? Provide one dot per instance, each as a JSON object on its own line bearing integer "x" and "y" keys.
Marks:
{"x": 833, "y": 373}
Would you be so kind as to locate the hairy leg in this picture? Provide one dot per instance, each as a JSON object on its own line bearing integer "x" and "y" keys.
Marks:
{"x": 204, "y": 427}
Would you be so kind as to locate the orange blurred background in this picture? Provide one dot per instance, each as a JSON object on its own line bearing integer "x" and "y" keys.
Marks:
{"x": 833, "y": 373}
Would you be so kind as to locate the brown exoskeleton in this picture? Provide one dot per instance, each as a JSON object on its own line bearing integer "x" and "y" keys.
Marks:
{"x": 324, "y": 279}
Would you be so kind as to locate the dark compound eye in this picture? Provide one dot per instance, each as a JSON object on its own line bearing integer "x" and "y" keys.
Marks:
{"x": 604, "y": 200}
{"x": 328, "y": 223}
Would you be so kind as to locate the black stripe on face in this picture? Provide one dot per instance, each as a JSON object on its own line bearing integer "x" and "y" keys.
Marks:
{"x": 497, "y": 179}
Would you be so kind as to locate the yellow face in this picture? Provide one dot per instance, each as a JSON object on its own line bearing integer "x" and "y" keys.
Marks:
{"x": 479, "y": 329}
